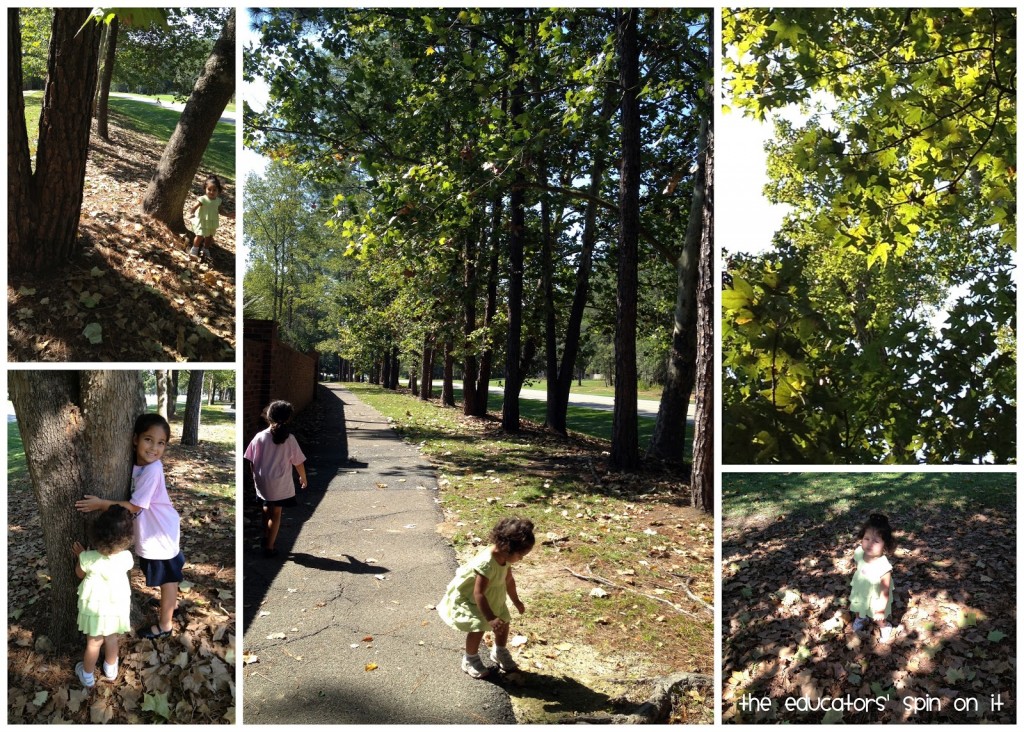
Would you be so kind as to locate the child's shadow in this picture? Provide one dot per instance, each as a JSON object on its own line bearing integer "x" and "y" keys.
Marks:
{"x": 559, "y": 694}
{"x": 325, "y": 564}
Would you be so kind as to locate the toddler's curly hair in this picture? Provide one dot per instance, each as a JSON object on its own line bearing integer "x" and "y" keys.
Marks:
{"x": 112, "y": 532}
{"x": 880, "y": 523}
{"x": 513, "y": 534}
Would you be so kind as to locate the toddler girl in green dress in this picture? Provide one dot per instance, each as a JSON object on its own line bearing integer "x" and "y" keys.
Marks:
{"x": 475, "y": 600}
{"x": 871, "y": 587}
{"x": 104, "y": 596}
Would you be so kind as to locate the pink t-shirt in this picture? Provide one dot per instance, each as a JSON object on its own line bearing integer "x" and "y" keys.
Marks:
{"x": 272, "y": 465}
{"x": 157, "y": 525}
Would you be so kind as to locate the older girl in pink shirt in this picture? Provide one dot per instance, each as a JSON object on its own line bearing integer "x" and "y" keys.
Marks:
{"x": 272, "y": 453}
{"x": 157, "y": 525}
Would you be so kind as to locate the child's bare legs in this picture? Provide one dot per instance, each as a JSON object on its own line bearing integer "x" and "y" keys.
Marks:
{"x": 473, "y": 643}
{"x": 501, "y": 635}
{"x": 271, "y": 525}
{"x": 92, "y": 653}
{"x": 168, "y": 602}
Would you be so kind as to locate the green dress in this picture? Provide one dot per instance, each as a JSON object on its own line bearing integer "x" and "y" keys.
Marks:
{"x": 459, "y": 609}
{"x": 866, "y": 585}
{"x": 207, "y": 216}
{"x": 105, "y": 595}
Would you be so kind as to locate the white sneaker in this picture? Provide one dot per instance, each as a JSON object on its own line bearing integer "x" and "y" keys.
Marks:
{"x": 501, "y": 656}
{"x": 473, "y": 666}
{"x": 886, "y": 633}
{"x": 110, "y": 670}
{"x": 194, "y": 251}
{"x": 860, "y": 625}
{"x": 88, "y": 680}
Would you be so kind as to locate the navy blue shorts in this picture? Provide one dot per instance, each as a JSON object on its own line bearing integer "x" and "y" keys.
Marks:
{"x": 162, "y": 571}
{"x": 284, "y": 502}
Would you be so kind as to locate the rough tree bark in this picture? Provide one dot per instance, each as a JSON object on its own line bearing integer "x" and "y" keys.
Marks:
{"x": 165, "y": 197}
{"x": 44, "y": 206}
{"x": 702, "y": 487}
{"x": 625, "y": 452}
{"x": 162, "y": 396}
{"x": 103, "y": 93}
{"x": 669, "y": 436}
{"x": 193, "y": 408}
{"x": 75, "y": 426}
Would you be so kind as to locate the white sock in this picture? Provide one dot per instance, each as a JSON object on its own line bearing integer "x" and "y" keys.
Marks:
{"x": 110, "y": 669}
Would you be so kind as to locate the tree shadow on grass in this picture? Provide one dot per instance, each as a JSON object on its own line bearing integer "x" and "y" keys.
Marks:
{"x": 787, "y": 632}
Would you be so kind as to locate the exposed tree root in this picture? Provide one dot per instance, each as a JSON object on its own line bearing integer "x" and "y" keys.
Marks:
{"x": 602, "y": 581}
{"x": 656, "y": 709}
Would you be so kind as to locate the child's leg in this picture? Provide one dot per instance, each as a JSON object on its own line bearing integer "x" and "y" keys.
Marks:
{"x": 501, "y": 635}
{"x": 271, "y": 525}
{"x": 473, "y": 643}
{"x": 92, "y": 653}
{"x": 110, "y": 649}
{"x": 168, "y": 600}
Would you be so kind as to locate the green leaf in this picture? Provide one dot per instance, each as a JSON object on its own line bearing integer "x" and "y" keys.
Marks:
{"x": 94, "y": 332}
{"x": 156, "y": 703}
{"x": 996, "y": 636}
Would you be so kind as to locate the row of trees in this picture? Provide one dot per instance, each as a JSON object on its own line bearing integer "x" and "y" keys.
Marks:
{"x": 881, "y": 326}
{"x": 479, "y": 187}
{"x": 76, "y": 428}
{"x": 45, "y": 198}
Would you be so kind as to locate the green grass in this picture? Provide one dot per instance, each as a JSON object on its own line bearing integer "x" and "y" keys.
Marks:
{"x": 151, "y": 120}
{"x": 770, "y": 495}
{"x": 16, "y": 466}
{"x": 591, "y": 387}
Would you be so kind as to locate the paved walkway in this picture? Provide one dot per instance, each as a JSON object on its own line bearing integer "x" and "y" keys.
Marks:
{"x": 360, "y": 559}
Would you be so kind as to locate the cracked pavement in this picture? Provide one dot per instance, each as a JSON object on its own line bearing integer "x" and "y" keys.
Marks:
{"x": 342, "y": 623}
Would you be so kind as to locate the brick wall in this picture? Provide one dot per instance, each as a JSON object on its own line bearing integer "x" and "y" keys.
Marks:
{"x": 272, "y": 370}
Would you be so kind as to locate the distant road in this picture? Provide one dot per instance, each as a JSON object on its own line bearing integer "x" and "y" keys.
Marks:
{"x": 644, "y": 407}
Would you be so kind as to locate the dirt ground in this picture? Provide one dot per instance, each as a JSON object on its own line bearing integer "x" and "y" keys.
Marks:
{"x": 133, "y": 280}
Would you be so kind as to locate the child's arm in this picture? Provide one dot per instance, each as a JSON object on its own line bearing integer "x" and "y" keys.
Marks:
{"x": 95, "y": 503}
{"x": 78, "y": 549}
{"x": 196, "y": 208}
{"x": 510, "y": 589}
{"x": 479, "y": 588}
{"x": 883, "y": 597}
{"x": 301, "y": 467}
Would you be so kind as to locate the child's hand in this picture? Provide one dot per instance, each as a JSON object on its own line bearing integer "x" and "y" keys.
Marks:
{"x": 498, "y": 625}
{"x": 302, "y": 483}
{"x": 77, "y": 548}
{"x": 519, "y": 606}
{"x": 90, "y": 503}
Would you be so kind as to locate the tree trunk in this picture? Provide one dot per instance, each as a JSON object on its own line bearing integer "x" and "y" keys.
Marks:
{"x": 75, "y": 427}
{"x": 162, "y": 396}
{"x": 625, "y": 453}
{"x": 669, "y": 438}
{"x": 103, "y": 94}
{"x": 427, "y": 370}
{"x": 43, "y": 207}
{"x": 172, "y": 395}
{"x": 516, "y": 244}
{"x": 169, "y": 187}
{"x": 396, "y": 368}
{"x": 469, "y": 364}
{"x": 702, "y": 487}
{"x": 483, "y": 387}
{"x": 448, "y": 386}
{"x": 558, "y": 396}
{"x": 193, "y": 408}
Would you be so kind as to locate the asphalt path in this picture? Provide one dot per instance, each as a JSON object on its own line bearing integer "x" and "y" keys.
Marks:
{"x": 644, "y": 407}
{"x": 227, "y": 116}
{"x": 342, "y": 623}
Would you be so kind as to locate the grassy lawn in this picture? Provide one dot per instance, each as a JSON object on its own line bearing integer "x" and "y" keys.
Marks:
{"x": 769, "y": 495}
{"x": 151, "y": 120}
{"x": 592, "y": 387}
{"x": 593, "y": 422}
